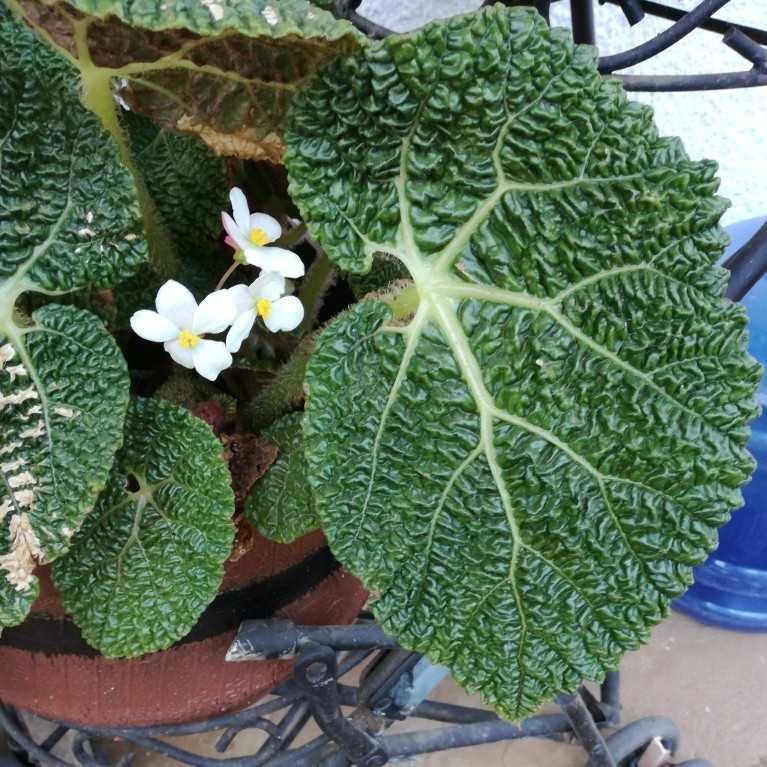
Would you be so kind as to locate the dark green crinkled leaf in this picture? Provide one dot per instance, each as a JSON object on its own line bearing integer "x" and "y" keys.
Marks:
{"x": 526, "y": 471}
{"x": 280, "y": 504}
{"x": 188, "y": 185}
{"x": 150, "y": 557}
{"x": 185, "y": 183}
{"x": 63, "y": 394}
{"x": 68, "y": 220}
{"x": 68, "y": 212}
{"x": 223, "y": 69}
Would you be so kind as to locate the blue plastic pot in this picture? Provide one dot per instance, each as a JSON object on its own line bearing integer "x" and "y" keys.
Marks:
{"x": 730, "y": 588}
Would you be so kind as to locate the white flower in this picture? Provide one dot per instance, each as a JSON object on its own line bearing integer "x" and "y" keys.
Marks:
{"x": 180, "y": 324}
{"x": 251, "y": 232}
{"x": 263, "y": 298}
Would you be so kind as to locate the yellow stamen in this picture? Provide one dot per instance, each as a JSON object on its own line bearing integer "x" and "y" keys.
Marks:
{"x": 188, "y": 340}
{"x": 258, "y": 236}
{"x": 264, "y": 307}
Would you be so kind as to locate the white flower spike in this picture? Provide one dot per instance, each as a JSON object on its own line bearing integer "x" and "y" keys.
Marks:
{"x": 252, "y": 232}
{"x": 180, "y": 325}
{"x": 263, "y": 298}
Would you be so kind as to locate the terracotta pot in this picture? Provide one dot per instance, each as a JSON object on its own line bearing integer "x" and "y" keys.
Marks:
{"x": 46, "y": 666}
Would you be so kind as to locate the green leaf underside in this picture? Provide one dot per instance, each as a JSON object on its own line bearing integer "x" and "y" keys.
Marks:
{"x": 224, "y": 69}
{"x": 526, "y": 472}
{"x": 280, "y": 505}
{"x": 68, "y": 220}
{"x": 148, "y": 562}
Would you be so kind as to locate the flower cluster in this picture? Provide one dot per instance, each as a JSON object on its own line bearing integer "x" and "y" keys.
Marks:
{"x": 181, "y": 325}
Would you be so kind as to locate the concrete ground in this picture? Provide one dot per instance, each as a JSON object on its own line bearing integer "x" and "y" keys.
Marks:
{"x": 712, "y": 682}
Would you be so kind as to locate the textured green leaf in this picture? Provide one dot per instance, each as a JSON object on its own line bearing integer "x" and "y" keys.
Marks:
{"x": 63, "y": 395}
{"x": 68, "y": 220}
{"x": 188, "y": 186}
{"x": 223, "y": 69}
{"x": 526, "y": 468}
{"x": 280, "y": 505}
{"x": 68, "y": 212}
{"x": 185, "y": 184}
{"x": 150, "y": 557}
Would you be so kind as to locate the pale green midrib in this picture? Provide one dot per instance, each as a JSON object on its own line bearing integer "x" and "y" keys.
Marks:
{"x": 406, "y": 230}
{"x": 492, "y": 294}
{"x": 483, "y": 210}
{"x": 135, "y": 71}
{"x": 133, "y": 535}
{"x": 471, "y": 373}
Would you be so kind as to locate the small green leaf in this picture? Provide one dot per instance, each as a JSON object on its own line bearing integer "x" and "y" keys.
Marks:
{"x": 150, "y": 558}
{"x": 525, "y": 469}
{"x": 280, "y": 505}
{"x": 223, "y": 69}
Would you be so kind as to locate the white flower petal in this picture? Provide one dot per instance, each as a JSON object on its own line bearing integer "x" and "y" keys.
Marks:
{"x": 269, "y": 285}
{"x": 286, "y": 314}
{"x": 240, "y": 330}
{"x": 153, "y": 326}
{"x": 240, "y": 208}
{"x": 270, "y": 226}
{"x": 242, "y": 297}
{"x": 215, "y": 313}
{"x": 180, "y": 354}
{"x": 176, "y": 303}
{"x": 279, "y": 260}
{"x": 239, "y": 237}
{"x": 210, "y": 358}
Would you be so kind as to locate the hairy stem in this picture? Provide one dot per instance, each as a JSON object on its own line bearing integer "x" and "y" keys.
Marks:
{"x": 284, "y": 391}
{"x": 320, "y": 277}
{"x": 291, "y": 238}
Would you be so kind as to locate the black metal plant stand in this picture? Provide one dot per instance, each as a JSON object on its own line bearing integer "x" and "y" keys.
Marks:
{"x": 392, "y": 687}
{"x": 394, "y": 683}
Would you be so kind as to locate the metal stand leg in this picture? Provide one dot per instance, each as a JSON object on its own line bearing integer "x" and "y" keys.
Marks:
{"x": 586, "y": 730}
{"x": 394, "y": 686}
{"x": 583, "y": 21}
